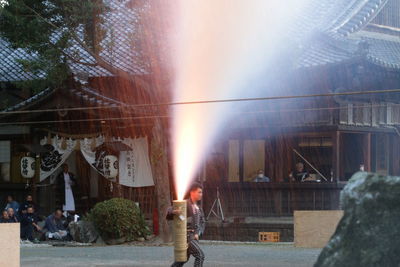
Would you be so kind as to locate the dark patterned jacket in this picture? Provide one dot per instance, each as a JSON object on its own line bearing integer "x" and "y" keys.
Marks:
{"x": 60, "y": 185}
{"x": 196, "y": 222}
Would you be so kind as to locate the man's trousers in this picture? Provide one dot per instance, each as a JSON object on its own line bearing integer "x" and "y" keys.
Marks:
{"x": 26, "y": 232}
{"x": 195, "y": 250}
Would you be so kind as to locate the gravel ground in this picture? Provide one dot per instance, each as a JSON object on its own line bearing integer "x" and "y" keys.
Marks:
{"x": 217, "y": 254}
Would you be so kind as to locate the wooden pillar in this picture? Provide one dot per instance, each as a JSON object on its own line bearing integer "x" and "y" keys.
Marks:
{"x": 367, "y": 151}
{"x": 283, "y": 156}
{"x": 269, "y": 161}
{"x": 336, "y": 156}
{"x": 241, "y": 159}
{"x": 395, "y": 155}
{"x": 36, "y": 178}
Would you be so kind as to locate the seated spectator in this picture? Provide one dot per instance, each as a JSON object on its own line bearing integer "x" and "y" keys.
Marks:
{"x": 12, "y": 217}
{"x": 11, "y": 203}
{"x": 55, "y": 227}
{"x": 29, "y": 224}
{"x": 299, "y": 174}
{"x": 261, "y": 177}
{"x": 29, "y": 203}
{"x": 4, "y": 217}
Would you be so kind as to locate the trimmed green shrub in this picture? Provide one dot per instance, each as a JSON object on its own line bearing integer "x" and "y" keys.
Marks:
{"x": 119, "y": 218}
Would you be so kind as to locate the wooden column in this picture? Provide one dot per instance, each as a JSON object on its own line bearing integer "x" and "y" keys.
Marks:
{"x": 269, "y": 160}
{"x": 367, "y": 152}
{"x": 241, "y": 159}
{"x": 395, "y": 155}
{"x": 336, "y": 155}
{"x": 36, "y": 178}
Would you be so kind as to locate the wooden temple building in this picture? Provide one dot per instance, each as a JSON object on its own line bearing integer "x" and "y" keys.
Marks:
{"x": 339, "y": 109}
{"x": 92, "y": 103}
{"x": 350, "y": 71}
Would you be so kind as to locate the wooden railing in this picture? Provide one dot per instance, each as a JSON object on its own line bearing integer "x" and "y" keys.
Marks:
{"x": 272, "y": 199}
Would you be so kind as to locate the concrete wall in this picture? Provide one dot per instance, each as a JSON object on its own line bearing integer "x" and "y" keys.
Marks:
{"x": 9, "y": 244}
{"x": 313, "y": 229}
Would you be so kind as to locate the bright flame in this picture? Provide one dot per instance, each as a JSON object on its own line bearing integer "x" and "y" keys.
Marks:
{"x": 219, "y": 46}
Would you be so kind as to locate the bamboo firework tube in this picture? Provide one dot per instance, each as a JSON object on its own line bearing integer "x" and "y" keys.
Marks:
{"x": 180, "y": 231}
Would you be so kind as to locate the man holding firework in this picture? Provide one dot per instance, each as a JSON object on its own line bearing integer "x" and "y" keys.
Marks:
{"x": 195, "y": 225}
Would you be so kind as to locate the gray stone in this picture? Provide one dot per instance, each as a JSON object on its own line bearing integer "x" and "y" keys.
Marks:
{"x": 83, "y": 231}
{"x": 115, "y": 241}
{"x": 368, "y": 234}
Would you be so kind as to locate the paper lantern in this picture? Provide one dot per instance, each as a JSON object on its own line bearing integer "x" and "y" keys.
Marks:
{"x": 110, "y": 166}
{"x": 27, "y": 167}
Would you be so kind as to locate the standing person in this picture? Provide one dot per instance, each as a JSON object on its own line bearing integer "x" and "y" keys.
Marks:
{"x": 11, "y": 203}
{"x": 65, "y": 182}
{"x": 28, "y": 224}
{"x": 195, "y": 225}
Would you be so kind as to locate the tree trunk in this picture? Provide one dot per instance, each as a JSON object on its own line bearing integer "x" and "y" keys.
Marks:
{"x": 159, "y": 162}
{"x": 154, "y": 31}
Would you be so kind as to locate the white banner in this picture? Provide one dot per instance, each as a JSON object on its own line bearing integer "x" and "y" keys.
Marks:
{"x": 56, "y": 156}
{"x": 134, "y": 165}
{"x": 88, "y": 149}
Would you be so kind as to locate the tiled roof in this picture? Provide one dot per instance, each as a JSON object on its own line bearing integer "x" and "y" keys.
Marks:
{"x": 38, "y": 97}
{"x": 325, "y": 49}
{"x": 119, "y": 48}
{"x": 383, "y": 50}
{"x": 377, "y": 48}
{"x": 10, "y": 67}
{"x": 339, "y": 17}
{"x": 333, "y": 29}
{"x": 90, "y": 96}
{"x": 95, "y": 98}
{"x": 352, "y": 15}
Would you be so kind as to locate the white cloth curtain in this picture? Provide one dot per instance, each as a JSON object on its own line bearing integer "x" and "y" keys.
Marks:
{"x": 134, "y": 165}
{"x": 52, "y": 160}
{"x": 86, "y": 146}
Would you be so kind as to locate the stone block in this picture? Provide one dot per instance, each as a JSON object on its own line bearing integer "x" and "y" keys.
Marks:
{"x": 313, "y": 229}
{"x": 9, "y": 244}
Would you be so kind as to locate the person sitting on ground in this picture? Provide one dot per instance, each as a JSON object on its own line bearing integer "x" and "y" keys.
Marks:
{"x": 261, "y": 177}
{"x": 12, "y": 217}
{"x": 11, "y": 203}
{"x": 4, "y": 217}
{"x": 55, "y": 227}
{"x": 29, "y": 224}
{"x": 300, "y": 174}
